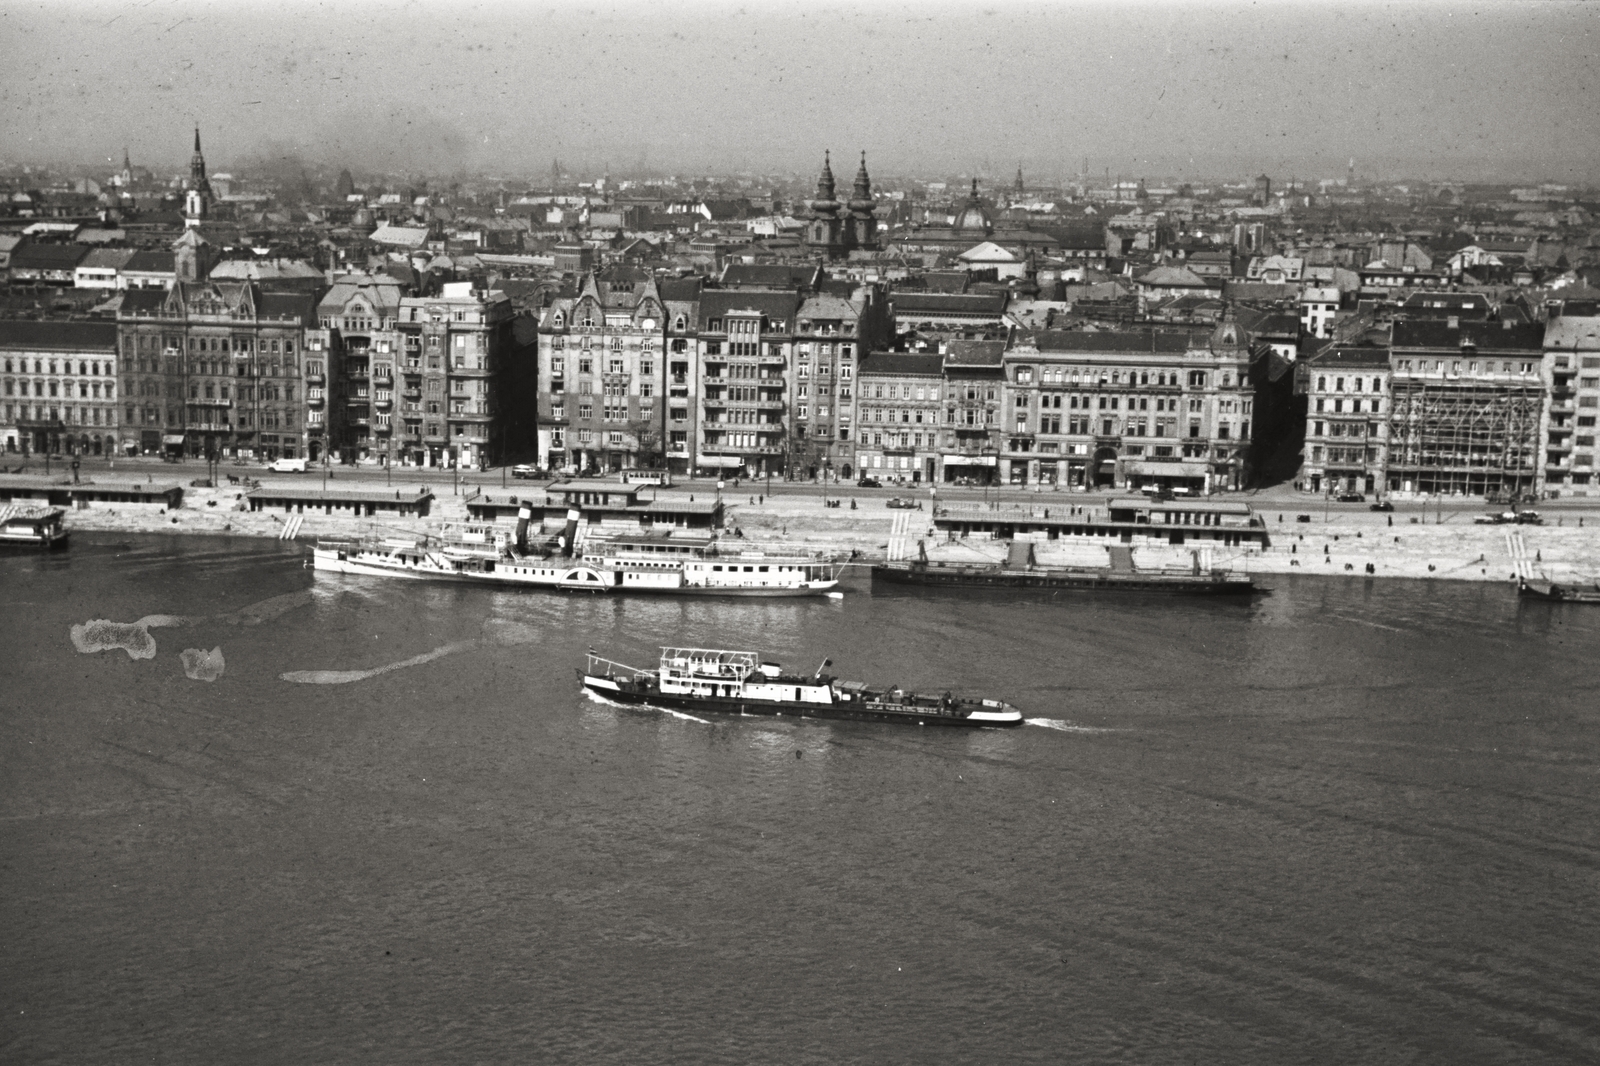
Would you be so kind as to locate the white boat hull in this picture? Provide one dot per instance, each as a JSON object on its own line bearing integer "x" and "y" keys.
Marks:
{"x": 571, "y": 578}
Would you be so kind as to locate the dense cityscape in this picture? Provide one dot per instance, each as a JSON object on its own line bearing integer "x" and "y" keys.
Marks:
{"x": 1344, "y": 334}
{"x": 730, "y": 534}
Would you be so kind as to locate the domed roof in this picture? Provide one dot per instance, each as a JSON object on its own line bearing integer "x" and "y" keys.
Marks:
{"x": 973, "y": 216}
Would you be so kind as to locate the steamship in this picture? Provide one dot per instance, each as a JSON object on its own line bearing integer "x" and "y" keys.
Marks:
{"x": 660, "y": 564}
{"x": 736, "y": 682}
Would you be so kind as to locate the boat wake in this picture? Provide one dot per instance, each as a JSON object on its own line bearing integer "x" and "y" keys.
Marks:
{"x": 345, "y": 677}
{"x": 596, "y": 697}
{"x": 1068, "y": 727}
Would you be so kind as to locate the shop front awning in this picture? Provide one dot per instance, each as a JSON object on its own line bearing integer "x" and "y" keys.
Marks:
{"x": 1149, "y": 469}
{"x": 172, "y": 438}
{"x": 721, "y": 462}
{"x": 970, "y": 460}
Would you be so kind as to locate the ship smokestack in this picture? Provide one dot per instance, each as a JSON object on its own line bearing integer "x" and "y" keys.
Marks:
{"x": 524, "y": 515}
{"x": 570, "y": 533}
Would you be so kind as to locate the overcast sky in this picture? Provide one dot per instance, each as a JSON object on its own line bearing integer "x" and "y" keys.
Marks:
{"x": 1471, "y": 90}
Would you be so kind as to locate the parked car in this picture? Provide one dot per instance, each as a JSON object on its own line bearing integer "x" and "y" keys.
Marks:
{"x": 1503, "y": 518}
{"x": 1383, "y": 505}
{"x": 523, "y": 470}
{"x": 904, "y": 503}
{"x": 869, "y": 483}
{"x": 1351, "y": 497}
{"x": 1529, "y": 518}
{"x": 287, "y": 466}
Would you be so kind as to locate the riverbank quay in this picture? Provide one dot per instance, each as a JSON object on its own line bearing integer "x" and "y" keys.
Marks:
{"x": 1347, "y": 545}
{"x": 1424, "y": 540}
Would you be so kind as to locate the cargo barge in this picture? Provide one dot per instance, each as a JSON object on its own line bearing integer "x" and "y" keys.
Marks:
{"x": 1020, "y": 571}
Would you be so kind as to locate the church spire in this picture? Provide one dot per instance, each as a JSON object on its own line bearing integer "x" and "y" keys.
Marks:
{"x": 197, "y": 199}
{"x": 863, "y": 189}
{"x": 825, "y": 186}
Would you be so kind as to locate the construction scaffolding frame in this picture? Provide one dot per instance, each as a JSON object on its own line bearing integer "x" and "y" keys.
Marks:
{"x": 1468, "y": 438}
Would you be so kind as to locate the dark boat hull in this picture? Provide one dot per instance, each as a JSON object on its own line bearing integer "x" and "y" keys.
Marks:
{"x": 644, "y": 697}
{"x": 1086, "y": 580}
{"x": 1559, "y": 593}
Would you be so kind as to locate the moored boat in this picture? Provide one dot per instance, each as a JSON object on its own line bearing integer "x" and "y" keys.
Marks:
{"x": 721, "y": 681}
{"x": 657, "y": 564}
{"x": 28, "y": 526}
{"x": 1562, "y": 592}
{"x": 1021, "y": 571}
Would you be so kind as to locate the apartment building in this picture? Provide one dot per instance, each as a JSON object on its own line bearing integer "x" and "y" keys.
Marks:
{"x": 1468, "y": 404}
{"x": 454, "y": 348}
{"x": 1127, "y": 409}
{"x": 602, "y": 371}
{"x": 350, "y": 364}
{"x": 1572, "y": 364}
{"x": 899, "y": 398}
{"x": 969, "y": 440}
{"x": 213, "y": 368}
{"x": 60, "y": 388}
{"x": 1347, "y": 390}
{"x": 750, "y": 419}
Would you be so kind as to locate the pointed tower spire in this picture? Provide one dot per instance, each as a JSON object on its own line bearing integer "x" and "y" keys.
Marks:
{"x": 197, "y": 140}
{"x": 863, "y": 189}
{"x": 825, "y": 186}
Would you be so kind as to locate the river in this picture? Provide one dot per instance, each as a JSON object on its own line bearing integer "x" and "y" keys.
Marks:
{"x": 1349, "y": 821}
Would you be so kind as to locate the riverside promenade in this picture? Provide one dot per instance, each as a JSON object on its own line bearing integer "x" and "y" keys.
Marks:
{"x": 1421, "y": 539}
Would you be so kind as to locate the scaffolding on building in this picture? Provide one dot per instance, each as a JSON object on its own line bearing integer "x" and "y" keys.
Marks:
{"x": 1465, "y": 439}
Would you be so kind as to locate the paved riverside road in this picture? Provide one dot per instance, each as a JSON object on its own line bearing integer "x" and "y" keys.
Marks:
{"x": 1279, "y": 505}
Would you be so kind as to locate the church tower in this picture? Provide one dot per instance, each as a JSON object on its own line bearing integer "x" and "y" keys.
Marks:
{"x": 197, "y": 198}
{"x": 824, "y": 227}
{"x": 863, "y": 232}
{"x": 127, "y": 169}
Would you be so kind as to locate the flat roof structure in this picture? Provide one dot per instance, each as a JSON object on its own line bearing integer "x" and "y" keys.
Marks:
{"x": 61, "y": 492}
{"x": 358, "y": 501}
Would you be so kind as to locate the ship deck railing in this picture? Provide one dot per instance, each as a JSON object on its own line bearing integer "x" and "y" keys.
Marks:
{"x": 709, "y": 662}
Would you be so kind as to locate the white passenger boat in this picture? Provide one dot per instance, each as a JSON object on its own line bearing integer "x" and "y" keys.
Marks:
{"x": 717, "y": 680}
{"x": 659, "y": 564}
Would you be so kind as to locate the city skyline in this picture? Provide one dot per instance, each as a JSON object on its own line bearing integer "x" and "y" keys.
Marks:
{"x": 1434, "y": 92}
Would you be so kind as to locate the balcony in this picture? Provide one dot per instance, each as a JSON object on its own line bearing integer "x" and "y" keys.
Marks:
{"x": 381, "y": 402}
{"x": 208, "y": 401}
{"x": 314, "y": 379}
{"x": 315, "y": 401}
{"x": 412, "y": 394}
{"x": 470, "y": 372}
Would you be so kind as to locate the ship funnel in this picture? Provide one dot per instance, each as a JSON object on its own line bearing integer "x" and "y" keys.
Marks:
{"x": 524, "y": 516}
{"x": 569, "y": 535}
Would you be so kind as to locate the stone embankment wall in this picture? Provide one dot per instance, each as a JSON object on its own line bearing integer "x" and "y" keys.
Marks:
{"x": 1454, "y": 549}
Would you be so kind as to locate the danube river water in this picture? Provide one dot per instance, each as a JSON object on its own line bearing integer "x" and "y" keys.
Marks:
{"x": 1350, "y": 821}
